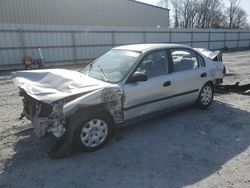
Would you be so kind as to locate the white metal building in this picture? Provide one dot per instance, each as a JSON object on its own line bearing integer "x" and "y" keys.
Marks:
{"x": 119, "y": 13}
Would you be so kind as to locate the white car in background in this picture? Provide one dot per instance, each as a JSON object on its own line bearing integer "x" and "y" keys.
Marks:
{"x": 125, "y": 84}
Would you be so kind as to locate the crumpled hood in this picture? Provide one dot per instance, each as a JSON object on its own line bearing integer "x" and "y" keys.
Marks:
{"x": 50, "y": 85}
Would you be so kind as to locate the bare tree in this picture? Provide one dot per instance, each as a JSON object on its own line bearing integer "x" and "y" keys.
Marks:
{"x": 240, "y": 18}
{"x": 216, "y": 18}
{"x": 184, "y": 13}
{"x": 197, "y": 13}
{"x": 206, "y": 14}
{"x": 232, "y": 10}
{"x": 188, "y": 12}
{"x": 176, "y": 9}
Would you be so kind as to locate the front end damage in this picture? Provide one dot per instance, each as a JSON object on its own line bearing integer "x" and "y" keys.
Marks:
{"x": 46, "y": 118}
{"x": 46, "y": 93}
{"x": 51, "y": 118}
{"x": 55, "y": 118}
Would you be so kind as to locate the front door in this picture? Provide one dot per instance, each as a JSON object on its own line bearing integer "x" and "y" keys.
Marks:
{"x": 144, "y": 97}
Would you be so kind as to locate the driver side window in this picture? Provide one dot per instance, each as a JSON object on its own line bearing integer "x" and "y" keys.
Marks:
{"x": 154, "y": 64}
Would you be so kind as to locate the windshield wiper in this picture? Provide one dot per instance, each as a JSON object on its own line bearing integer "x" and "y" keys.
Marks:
{"x": 104, "y": 75}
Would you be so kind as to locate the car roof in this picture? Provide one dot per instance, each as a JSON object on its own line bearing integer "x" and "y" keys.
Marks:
{"x": 149, "y": 47}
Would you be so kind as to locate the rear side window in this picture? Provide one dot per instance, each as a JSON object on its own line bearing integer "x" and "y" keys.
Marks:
{"x": 154, "y": 64}
{"x": 184, "y": 59}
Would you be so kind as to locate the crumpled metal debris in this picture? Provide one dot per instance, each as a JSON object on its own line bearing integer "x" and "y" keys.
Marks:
{"x": 236, "y": 88}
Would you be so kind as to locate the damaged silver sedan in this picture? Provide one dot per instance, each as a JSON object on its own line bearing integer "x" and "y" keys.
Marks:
{"x": 125, "y": 84}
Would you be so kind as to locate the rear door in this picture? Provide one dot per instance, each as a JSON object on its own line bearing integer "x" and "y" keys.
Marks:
{"x": 144, "y": 97}
{"x": 189, "y": 75}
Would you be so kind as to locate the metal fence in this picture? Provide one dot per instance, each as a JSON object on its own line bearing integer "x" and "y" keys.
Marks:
{"x": 67, "y": 44}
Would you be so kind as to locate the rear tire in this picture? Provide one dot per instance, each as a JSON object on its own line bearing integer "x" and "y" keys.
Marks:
{"x": 206, "y": 96}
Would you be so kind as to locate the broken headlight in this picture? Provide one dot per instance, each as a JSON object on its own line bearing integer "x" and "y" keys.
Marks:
{"x": 58, "y": 109}
{"x": 58, "y": 119}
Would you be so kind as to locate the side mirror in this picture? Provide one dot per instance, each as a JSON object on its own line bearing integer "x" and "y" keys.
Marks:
{"x": 137, "y": 77}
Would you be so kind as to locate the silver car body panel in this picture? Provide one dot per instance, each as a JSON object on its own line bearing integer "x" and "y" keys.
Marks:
{"x": 142, "y": 98}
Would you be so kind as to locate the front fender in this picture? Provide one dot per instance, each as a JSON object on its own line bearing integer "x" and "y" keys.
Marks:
{"x": 110, "y": 98}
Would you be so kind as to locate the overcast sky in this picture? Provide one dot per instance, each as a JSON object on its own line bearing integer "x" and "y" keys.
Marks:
{"x": 245, "y": 4}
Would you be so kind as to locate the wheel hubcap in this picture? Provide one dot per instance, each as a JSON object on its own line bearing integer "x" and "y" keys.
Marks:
{"x": 94, "y": 133}
{"x": 206, "y": 95}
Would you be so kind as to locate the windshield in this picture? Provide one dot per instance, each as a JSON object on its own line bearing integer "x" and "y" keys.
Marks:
{"x": 112, "y": 66}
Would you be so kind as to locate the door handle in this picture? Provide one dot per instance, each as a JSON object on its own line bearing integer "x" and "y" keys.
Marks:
{"x": 167, "y": 83}
{"x": 204, "y": 75}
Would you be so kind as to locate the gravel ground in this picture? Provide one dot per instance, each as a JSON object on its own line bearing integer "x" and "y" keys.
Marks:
{"x": 185, "y": 148}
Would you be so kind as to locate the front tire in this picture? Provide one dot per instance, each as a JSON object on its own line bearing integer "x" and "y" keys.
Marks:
{"x": 93, "y": 132}
{"x": 206, "y": 96}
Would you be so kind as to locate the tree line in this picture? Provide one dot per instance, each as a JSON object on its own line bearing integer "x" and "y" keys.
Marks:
{"x": 207, "y": 14}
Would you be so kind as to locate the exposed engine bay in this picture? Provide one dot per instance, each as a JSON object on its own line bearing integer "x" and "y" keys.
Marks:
{"x": 45, "y": 117}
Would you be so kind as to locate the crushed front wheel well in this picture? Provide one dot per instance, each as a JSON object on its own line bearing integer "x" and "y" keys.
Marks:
{"x": 91, "y": 110}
